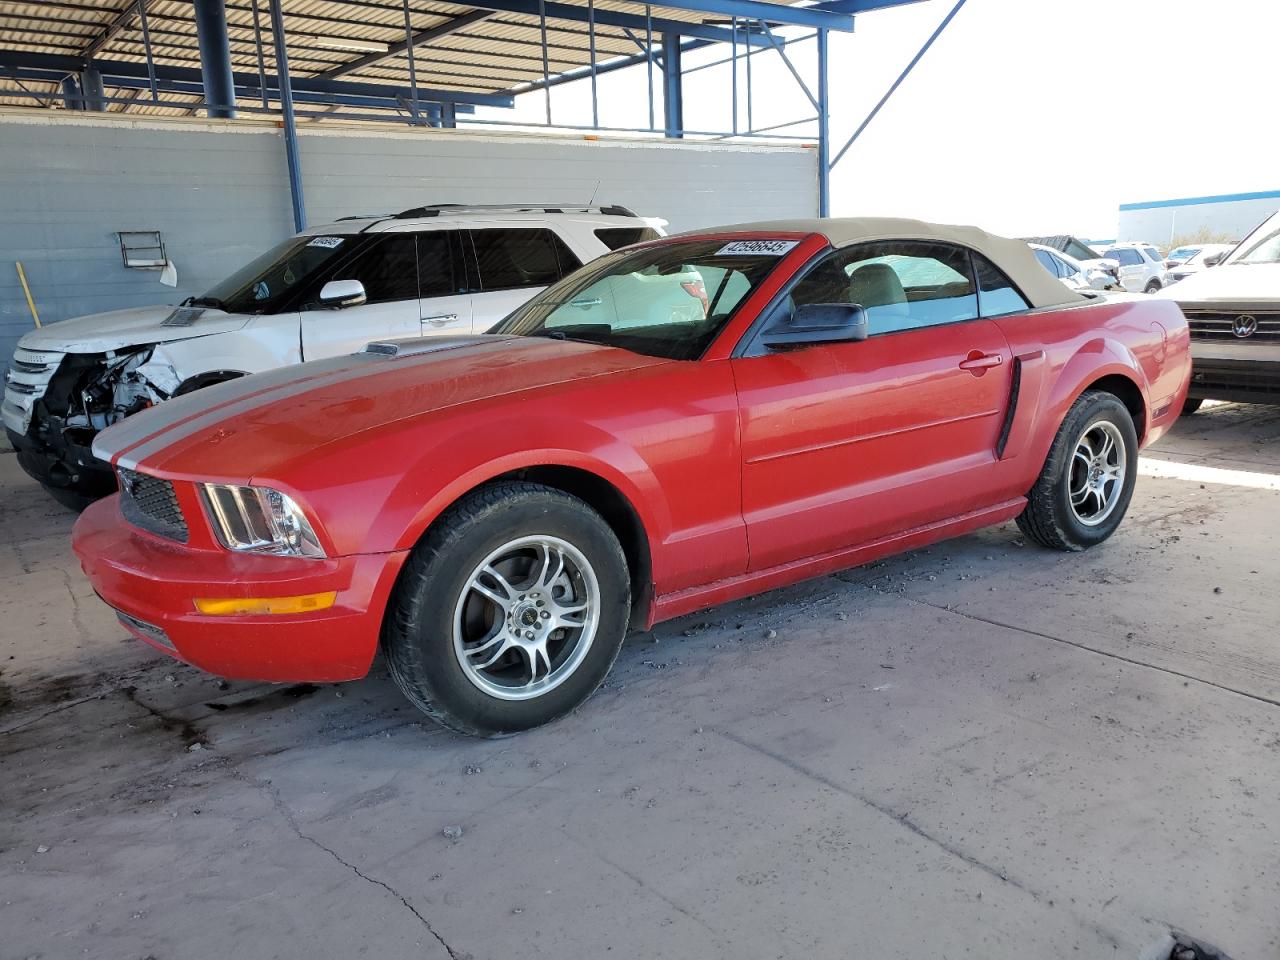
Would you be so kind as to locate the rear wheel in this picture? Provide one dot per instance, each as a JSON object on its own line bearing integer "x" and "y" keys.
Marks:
{"x": 511, "y": 611}
{"x": 1191, "y": 405}
{"x": 1152, "y": 287}
{"x": 1087, "y": 481}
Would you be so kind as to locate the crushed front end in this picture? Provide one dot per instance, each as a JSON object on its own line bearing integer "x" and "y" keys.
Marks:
{"x": 55, "y": 404}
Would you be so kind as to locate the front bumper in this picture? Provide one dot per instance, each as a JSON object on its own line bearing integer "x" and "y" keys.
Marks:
{"x": 1245, "y": 373}
{"x": 153, "y": 583}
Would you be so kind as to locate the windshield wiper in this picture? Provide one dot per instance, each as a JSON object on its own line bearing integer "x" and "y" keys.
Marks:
{"x": 204, "y": 302}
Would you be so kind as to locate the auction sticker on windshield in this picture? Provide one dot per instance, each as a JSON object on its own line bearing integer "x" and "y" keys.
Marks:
{"x": 329, "y": 243}
{"x": 768, "y": 247}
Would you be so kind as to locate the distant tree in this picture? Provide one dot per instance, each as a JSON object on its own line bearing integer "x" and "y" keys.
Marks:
{"x": 1203, "y": 235}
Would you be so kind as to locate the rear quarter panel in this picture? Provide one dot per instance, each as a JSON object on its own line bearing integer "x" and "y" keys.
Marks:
{"x": 1065, "y": 351}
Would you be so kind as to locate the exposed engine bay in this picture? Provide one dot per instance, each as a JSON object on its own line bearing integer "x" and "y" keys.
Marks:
{"x": 86, "y": 394}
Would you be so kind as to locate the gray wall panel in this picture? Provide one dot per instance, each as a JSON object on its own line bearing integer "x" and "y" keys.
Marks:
{"x": 219, "y": 194}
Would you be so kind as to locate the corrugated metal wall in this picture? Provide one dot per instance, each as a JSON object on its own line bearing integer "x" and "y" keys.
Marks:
{"x": 219, "y": 194}
{"x": 1163, "y": 224}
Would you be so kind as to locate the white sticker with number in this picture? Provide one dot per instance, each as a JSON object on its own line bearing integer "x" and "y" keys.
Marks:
{"x": 770, "y": 248}
{"x": 329, "y": 243}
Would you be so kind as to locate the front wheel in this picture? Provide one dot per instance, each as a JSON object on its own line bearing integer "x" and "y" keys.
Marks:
{"x": 1087, "y": 481}
{"x": 511, "y": 611}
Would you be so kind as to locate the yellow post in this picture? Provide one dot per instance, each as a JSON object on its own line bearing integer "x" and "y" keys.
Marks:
{"x": 27, "y": 290}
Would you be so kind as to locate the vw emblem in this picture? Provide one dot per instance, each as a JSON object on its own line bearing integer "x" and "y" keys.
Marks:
{"x": 1244, "y": 326}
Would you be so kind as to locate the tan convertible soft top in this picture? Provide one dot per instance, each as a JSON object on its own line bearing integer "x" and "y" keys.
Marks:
{"x": 1012, "y": 256}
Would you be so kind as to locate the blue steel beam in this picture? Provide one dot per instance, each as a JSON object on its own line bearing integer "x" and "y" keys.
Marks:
{"x": 672, "y": 87}
{"x": 770, "y": 12}
{"x": 897, "y": 83}
{"x": 119, "y": 23}
{"x": 317, "y": 85}
{"x": 824, "y": 129}
{"x": 292, "y": 158}
{"x": 418, "y": 39}
{"x": 860, "y": 6}
{"x": 614, "y": 18}
{"x": 215, "y": 58}
{"x": 608, "y": 66}
{"x": 197, "y": 89}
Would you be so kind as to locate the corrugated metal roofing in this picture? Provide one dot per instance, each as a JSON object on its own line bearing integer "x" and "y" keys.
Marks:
{"x": 495, "y": 53}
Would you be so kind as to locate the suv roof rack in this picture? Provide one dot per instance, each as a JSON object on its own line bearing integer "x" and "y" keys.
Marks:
{"x": 436, "y": 209}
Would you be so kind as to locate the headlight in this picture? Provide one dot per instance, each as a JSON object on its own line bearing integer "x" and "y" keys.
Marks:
{"x": 260, "y": 520}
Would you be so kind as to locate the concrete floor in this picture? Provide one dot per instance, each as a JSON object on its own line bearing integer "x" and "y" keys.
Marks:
{"x": 982, "y": 749}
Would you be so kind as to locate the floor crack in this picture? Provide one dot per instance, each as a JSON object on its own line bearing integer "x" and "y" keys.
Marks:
{"x": 283, "y": 809}
{"x": 1080, "y": 646}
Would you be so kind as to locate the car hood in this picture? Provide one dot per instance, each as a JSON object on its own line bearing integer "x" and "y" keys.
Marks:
{"x": 234, "y": 431}
{"x": 1242, "y": 283}
{"x": 135, "y": 326}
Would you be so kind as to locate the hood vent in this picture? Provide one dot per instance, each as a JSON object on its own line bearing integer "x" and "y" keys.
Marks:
{"x": 182, "y": 317}
{"x": 419, "y": 345}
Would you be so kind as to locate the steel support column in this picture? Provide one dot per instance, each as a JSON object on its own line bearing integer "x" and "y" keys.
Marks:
{"x": 672, "y": 86}
{"x": 290, "y": 124}
{"x": 824, "y": 129}
{"x": 448, "y": 116}
{"x": 91, "y": 85}
{"x": 71, "y": 93}
{"x": 215, "y": 58}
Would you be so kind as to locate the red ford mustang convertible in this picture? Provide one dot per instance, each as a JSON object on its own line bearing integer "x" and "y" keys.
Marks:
{"x": 674, "y": 425}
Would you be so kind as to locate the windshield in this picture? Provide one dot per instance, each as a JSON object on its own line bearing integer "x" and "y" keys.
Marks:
{"x": 1183, "y": 253}
{"x": 261, "y": 284}
{"x": 663, "y": 301}
{"x": 1261, "y": 246}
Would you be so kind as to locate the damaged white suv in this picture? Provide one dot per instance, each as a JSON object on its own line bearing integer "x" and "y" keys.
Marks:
{"x": 445, "y": 269}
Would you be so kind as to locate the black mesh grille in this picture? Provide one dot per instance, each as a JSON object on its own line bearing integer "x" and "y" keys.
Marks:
{"x": 1216, "y": 325}
{"x": 150, "y": 503}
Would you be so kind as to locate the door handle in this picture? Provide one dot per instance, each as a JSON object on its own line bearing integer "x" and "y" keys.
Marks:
{"x": 981, "y": 361}
{"x": 441, "y": 319}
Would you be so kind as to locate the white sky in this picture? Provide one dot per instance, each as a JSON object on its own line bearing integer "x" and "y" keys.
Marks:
{"x": 1026, "y": 116}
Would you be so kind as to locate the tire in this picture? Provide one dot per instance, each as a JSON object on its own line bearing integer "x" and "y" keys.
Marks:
{"x": 444, "y": 617}
{"x": 1152, "y": 287}
{"x": 1050, "y": 518}
{"x": 1191, "y": 405}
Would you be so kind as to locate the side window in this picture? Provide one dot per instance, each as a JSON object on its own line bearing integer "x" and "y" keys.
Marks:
{"x": 513, "y": 257}
{"x": 388, "y": 269}
{"x": 1153, "y": 254}
{"x": 616, "y": 237}
{"x": 997, "y": 296}
{"x": 1047, "y": 260}
{"x": 440, "y": 264}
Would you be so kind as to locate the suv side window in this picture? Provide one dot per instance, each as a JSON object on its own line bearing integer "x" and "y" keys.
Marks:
{"x": 1153, "y": 254}
{"x": 1126, "y": 256}
{"x": 902, "y": 284}
{"x": 616, "y": 237}
{"x": 441, "y": 266}
{"x": 509, "y": 258}
{"x": 388, "y": 269}
{"x": 997, "y": 296}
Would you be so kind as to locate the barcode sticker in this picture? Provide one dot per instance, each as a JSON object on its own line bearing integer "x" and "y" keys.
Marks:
{"x": 772, "y": 248}
{"x": 329, "y": 243}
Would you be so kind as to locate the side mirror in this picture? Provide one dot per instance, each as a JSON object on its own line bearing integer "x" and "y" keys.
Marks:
{"x": 342, "y": 293}
{"x": 818, "y": 323}
{"x": 1213, "y": 259}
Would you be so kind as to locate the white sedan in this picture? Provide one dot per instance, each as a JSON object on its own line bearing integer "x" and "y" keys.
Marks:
{"x": 1076, "y": 275}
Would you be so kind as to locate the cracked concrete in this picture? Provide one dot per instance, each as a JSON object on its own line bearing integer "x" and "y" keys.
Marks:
{"x": 979, "y": 748}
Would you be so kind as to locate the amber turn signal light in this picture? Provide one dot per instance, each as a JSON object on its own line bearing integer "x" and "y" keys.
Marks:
{"x": 247, "y": 606}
